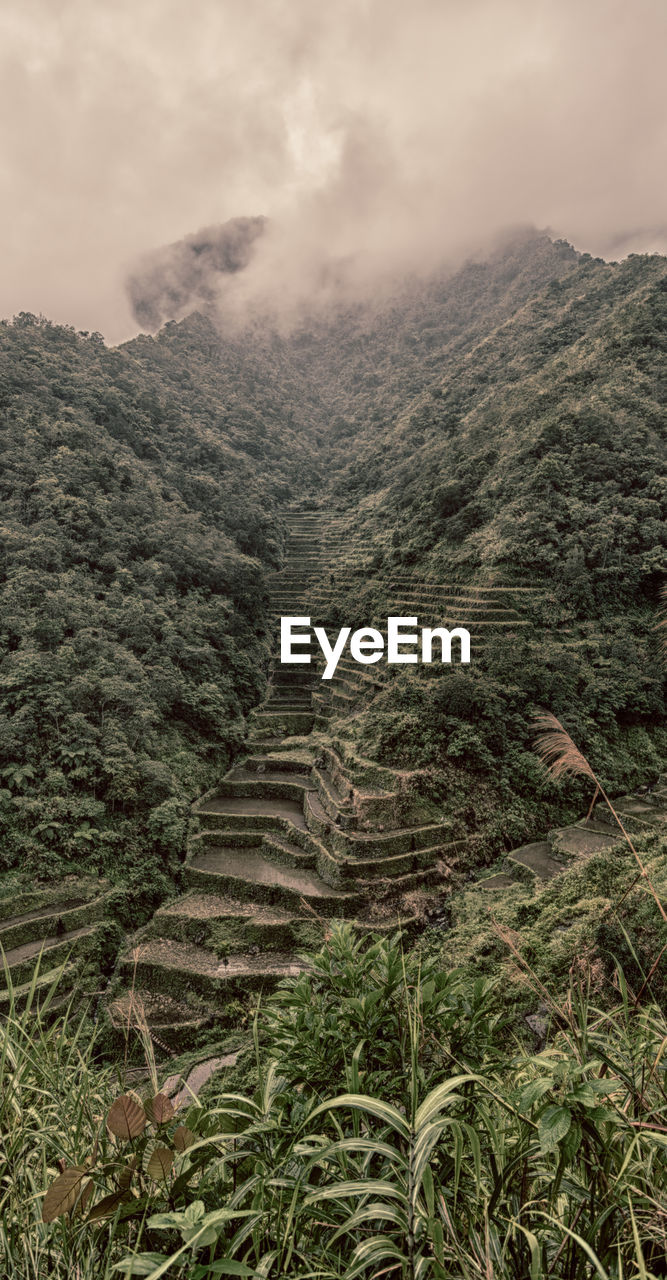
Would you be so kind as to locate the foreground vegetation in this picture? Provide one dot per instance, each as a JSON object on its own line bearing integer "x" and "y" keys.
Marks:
{"x": 389, "y": 1120}
{"x": 394, "y": 1115}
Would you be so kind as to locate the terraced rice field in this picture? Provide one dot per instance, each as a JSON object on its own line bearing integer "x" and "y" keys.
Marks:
{"x": 301, "y": 831}
{"x": 58, "y": 927}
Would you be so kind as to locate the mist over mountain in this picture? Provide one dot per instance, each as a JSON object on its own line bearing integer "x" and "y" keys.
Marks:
{"x": 259, "y": 275}
{"x": 445, "y": 393}
{"x": 170, "y": 282}
{"x": 381, "y": 137}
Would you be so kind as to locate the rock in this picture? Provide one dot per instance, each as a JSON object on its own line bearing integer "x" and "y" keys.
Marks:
{"x": 538, "y": 1023}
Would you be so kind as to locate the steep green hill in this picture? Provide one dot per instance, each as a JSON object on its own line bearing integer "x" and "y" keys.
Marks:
{"x": 506, "y": 426}
{"x": 499, "y": 425}
{"x": 531, "y": 443}
{"x": 141, "y": 493}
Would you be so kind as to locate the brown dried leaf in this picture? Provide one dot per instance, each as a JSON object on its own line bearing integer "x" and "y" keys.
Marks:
{"x": 84, "y": 1198}
{"x": 159, "y": 1109}
{"x": 125, "y": 1175}
{"x": 183, "y": 1138}
{"x": 159, "y": 1163}
{"x": 63, "y": 1194}
{"x": 126, "y": 1118}
{"x": 107, "y": 1205}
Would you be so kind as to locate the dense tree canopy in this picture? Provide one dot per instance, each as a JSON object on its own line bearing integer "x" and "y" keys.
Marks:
{"x": 138, "y": 516}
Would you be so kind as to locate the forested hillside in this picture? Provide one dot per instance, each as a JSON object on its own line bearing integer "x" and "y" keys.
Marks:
{"x": 141, "y": 505}
{"x": 508, "y": 427}
{"x": 499, "y": 424}
{"x": 530, "y": 443}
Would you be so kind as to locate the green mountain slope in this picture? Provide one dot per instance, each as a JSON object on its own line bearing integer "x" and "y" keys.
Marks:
{"x": 140, "y": 508}
{"x": 537, "y": 447}
{"x": 500, "y": 424}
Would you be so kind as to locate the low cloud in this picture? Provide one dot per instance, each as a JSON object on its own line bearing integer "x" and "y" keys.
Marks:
{"x": 171, "y": 281}
{"x": 376, "y": 136}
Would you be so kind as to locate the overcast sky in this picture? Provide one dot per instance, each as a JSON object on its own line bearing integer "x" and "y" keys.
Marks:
{"x": 392, "y": 132}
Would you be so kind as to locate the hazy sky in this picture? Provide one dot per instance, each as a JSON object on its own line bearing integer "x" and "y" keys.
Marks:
{"x": 388, "y": 131}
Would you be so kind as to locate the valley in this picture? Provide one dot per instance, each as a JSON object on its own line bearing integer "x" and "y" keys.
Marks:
{"x": 305, "y": 900}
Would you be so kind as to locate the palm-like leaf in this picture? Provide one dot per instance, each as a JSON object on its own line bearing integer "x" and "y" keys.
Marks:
{"x": 403, "y": 1197}
{"x": 373, "y": 1106}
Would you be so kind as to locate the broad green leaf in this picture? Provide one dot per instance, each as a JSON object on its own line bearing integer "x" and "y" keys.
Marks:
{"x": 209, "y": 1236}
{"x": 604, "y": 1086}
{"x": 143, "y": 1264}
{"x": 584, "y": 1095}
{"x": 572, "y": 1140}
{"x": 174, "y": 1221}
{"x": 162, "y": 1264}
{"x": 553, "y": 1124}
{"x": 534, "y": 1091}
{"x": 600, "y": 1115}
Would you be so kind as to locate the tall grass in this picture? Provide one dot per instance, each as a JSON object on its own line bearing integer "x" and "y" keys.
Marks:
{"x": 549, "y": 1165}
{"x": 52, "y": 1094}
{"x": 504, "y": 1165}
